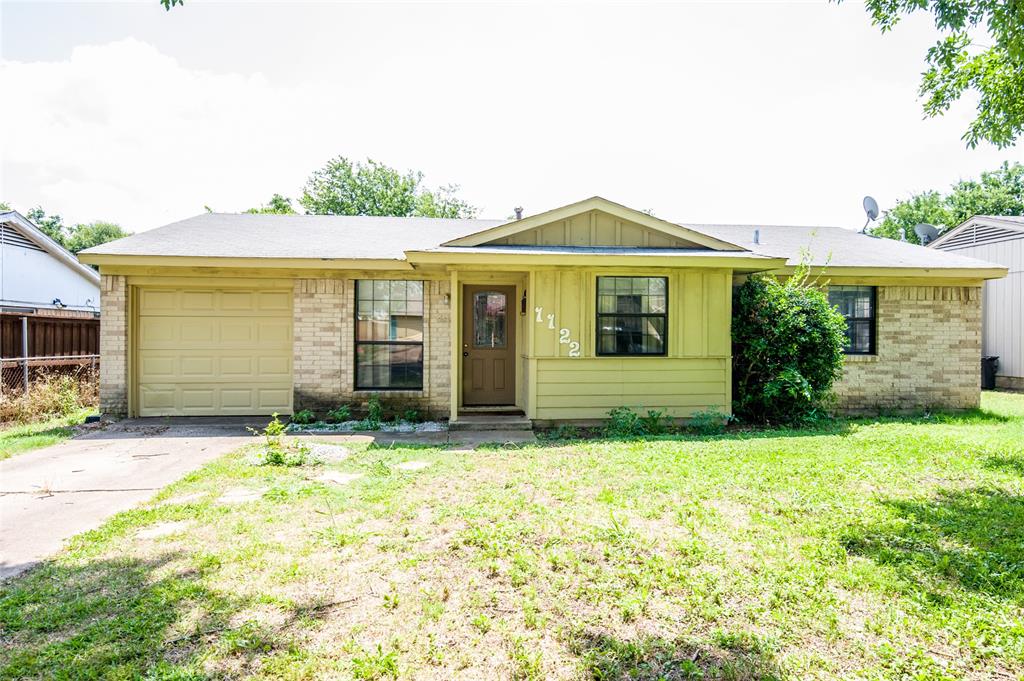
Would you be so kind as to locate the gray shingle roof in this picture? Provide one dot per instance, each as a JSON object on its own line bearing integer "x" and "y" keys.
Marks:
{"x": 837, "y": 247}
{"x": 387, "y": 238}
{"x": 225, "y": 235}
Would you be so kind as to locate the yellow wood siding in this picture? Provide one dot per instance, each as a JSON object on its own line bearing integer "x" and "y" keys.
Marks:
{"x": 588, "y": 388}
{"x": 595, "y": 228}
{"x": 693, "y": 376}
{"x": 206, "y": 352}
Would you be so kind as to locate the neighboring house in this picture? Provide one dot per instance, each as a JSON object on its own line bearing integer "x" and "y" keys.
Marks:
{"x": 46, "y": 286}
{"x": 999, "y": 240}
{"x": 563, "y": 315}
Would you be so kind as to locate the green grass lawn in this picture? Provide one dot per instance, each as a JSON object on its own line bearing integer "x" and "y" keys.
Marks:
{"x": 22, "y": 438}
{"x": 878, "y": 549}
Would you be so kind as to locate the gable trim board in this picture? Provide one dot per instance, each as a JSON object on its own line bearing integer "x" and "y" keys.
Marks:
{"x": 595, "y": 203}
{"x": 555, "y": 308}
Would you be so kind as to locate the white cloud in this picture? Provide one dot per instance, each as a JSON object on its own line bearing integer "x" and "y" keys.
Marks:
{"x": 713, "y": 112}
{"x": 121, "y": 131}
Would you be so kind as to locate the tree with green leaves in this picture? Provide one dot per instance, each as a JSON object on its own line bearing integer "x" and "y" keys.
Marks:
{"x": 962, "y": 59}
{"x": 278, "y": 204}
{"x": 50, "y": 225}
{"x": 91, "y": 234}
{"x": 998, "y": 192}
{"x": 74, "y": 238}
{"x": 342, "y": 187}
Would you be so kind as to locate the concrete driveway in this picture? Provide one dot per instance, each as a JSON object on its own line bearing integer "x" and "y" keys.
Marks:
{"x": 52, "y": 494}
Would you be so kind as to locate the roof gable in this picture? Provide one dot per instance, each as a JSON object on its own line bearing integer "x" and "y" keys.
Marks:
{"x": 594, "y": 222}
{"x": 19, "y": 231}
{"x": 981, "y": 229}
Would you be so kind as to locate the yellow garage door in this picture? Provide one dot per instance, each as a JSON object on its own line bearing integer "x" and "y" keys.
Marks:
{"x": 209, "y": 352}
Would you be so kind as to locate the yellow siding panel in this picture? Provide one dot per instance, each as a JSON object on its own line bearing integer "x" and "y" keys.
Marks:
{"x": 589, "y": 388}
{"x": 718, "y": 304}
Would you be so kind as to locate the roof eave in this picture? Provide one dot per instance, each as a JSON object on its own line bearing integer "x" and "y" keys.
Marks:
{"x": 108, "y": 259}
{"x": 745, "y": 263}
{"x": 902, "y": 272}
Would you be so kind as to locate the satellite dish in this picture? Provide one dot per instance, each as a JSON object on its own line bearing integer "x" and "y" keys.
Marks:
{"x": 926, "y": 233}
{"x": 871, "y": 208}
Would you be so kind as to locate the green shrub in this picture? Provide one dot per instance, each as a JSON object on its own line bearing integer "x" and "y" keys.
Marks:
{"x": 656, "y": 422}
{"x": 340, "y": 414}
{"x": 303, "y": 417}
{"x": 374, "y": 412}
{"x": 624, "y": 422}
{"x": 411, "y": 416}
{"x": 787, "y": 346}
{"x": 708, "y": 422}
{"x": 275, "y": 452}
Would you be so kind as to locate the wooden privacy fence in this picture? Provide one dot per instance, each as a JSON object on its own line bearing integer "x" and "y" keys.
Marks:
{"x": 35, "y": 345}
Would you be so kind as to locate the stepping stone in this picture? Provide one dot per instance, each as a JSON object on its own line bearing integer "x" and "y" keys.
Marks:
{"x": 241, "y": 495}
{"x": 339, "y": 478}
{"x": 163, "y": 529}
{"x": 183, "y": 499}
{"x": 412, "y": 465}
{"x": 328, "y": 453}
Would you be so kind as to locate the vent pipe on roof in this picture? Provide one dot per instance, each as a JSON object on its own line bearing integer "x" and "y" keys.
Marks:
{"x": 757, "y": 236}
{"x": 903, "y": 234}
{"x": 519, "y": 213}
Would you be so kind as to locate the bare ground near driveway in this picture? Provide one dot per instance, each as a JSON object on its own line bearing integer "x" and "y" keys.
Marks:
{"x": 52, "y": 494}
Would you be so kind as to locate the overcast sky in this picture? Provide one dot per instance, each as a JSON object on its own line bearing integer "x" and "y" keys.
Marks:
{"x": 751, "y": 112}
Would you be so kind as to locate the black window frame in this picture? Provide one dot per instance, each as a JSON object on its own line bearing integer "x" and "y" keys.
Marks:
{"x": 391, "y": 343}
{"x": 871, "y": 319}
{"x": 598, "y": 314}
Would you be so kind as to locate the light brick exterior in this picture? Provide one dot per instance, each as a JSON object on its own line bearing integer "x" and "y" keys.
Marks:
{"x": 928, "y": 352}
{"x": 113, "y": 345}
{"x": 324, "y": 359}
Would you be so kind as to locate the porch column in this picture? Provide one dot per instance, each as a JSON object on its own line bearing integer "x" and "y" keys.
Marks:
{"x": 455, "y": 370}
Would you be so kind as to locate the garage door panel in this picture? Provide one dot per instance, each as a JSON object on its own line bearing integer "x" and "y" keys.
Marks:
{"x": 274, "y": 332}
{"x": 275, "y": 301}
{"x": 274, "y": 399}
{"x": 198, "y": 301}
{"x": 210, "y": 352}
{"x": 198, "y": 398}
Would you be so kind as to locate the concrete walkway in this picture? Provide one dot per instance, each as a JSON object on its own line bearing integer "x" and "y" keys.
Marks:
{"x": 49, "y": 495}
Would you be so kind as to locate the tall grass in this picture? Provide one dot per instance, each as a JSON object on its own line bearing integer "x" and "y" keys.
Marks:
{"x": 50, "y": 395}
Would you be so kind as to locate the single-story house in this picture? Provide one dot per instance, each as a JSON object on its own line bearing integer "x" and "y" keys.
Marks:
{"x": 49, "y": 301}
{"x": 562, "y": 315}
{"x": 997, "y": 239}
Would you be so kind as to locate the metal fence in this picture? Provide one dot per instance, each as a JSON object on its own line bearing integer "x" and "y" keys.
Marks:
{"x": 18, "y": 373}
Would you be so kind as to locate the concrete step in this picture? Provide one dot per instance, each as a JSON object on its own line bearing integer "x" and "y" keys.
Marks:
{"x": 490, "y": 422}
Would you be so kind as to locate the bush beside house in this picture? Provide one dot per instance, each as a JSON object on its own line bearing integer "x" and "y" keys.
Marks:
{"x": 787, "y": 349}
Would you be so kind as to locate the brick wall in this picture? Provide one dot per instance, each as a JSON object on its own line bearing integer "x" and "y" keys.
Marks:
{"x": 324, "y": 359}
{"x": 928, "y": 352}
{"x": 113, "y": 346}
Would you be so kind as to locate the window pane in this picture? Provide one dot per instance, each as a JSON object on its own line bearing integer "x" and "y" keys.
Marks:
{"x": 389, "y": 366}
{"x": 631, "y": 315}
{"x": 856, "y": 304}
{"x": 389, "y": 310}
{"x": 489, "y": 312}
{"x": 631, "y": 335}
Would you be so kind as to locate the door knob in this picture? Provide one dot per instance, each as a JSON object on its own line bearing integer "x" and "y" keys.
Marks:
{"x": 465, "y": 354}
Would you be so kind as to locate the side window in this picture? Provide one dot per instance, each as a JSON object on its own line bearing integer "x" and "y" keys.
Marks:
{"x": 857, "y": 304}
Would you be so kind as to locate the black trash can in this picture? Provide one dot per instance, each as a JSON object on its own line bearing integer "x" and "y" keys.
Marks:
{"x": 989, "y": 365}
